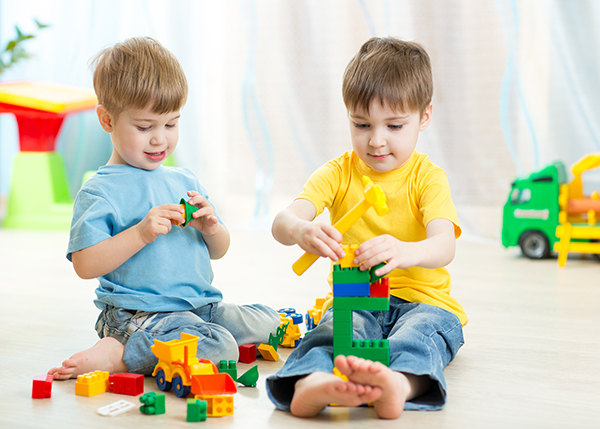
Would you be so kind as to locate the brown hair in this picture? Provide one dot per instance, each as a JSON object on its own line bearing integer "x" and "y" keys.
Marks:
{"x": 396, "y": 72}
{"x": 139, "y": 73}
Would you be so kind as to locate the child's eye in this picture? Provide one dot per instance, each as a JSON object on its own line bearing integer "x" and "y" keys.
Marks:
{"x": 396, "y": 127}
{"x": 170, "y": 125}
{"x": 143, "y": 128}
{"x": 361, "y": 126}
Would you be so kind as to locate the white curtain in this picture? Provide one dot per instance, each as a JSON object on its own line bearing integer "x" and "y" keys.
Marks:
{"x": 516, "y": 88}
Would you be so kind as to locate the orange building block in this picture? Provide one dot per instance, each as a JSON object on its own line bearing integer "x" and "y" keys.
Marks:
{"x": 217, "y": 405}
{"x": 92, "y": 383}
{"x": 268, "y": 352}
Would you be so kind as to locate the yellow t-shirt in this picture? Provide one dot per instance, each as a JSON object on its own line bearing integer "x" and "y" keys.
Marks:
{"x": 416, "y": 193}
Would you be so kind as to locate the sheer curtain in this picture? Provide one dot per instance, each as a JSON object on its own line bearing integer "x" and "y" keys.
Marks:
{"x": 516, "y": 88}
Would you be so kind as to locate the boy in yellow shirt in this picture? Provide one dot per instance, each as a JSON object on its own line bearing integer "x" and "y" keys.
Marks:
{"x": 387, "y": 90}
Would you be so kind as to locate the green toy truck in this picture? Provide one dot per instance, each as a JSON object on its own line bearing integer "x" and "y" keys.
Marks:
{"x": 530, "y": 214}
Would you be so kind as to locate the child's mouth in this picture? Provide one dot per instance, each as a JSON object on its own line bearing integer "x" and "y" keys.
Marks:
{"x": 155, "y": 156}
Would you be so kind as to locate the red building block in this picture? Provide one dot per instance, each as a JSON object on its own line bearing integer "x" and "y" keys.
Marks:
{"x": 42, "y": 386}
{"x": 126, "y": 384}
{"x": 381, "y": 288}
{"x": 248, "y": 353}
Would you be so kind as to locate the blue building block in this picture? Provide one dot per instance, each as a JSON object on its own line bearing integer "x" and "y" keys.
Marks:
{"x": 351, "y": 289}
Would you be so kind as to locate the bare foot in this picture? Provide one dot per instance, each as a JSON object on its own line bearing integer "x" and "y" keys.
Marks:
{"x": 105, "y": 355}
{"x": 317, "y": 390}
{"x": 395, "y": 387}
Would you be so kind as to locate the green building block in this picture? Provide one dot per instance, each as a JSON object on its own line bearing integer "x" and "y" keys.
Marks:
{"x": 228, "y": 368}
{"x": 349, "y": 275}
{"x": 196, "y": 410}
{"x": 374, "y": 278}
{"x": 250, "y": 377}
{"x": 360, "y": 303}
{"x": 375, "y": 350}
{"x": 153, "y": 403}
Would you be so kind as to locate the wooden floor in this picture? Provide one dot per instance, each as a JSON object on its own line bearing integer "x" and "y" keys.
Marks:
{"x": 531, "y": 359}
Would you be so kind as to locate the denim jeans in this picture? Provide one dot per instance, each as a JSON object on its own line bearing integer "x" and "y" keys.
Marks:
{"x": 221, "y": 327}
{"x": 423, "y": 340}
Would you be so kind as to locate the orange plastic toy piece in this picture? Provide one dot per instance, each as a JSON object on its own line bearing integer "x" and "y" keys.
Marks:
{"x": 92, "y": 383}
{"x": 213, "y": 384}
{"x": 217, "y": 405}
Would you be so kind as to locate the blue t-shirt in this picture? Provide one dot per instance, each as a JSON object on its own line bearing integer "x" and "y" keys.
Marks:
{"x": 174, "y": 272}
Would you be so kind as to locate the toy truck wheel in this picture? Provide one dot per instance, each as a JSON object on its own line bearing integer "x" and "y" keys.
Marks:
{"x": 534, "y": 245}
{"x": 179, "y": 389}
{"x": 161, "y": 381}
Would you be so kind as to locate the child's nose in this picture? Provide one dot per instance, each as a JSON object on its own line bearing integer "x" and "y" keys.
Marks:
{"x": 377, "y": 140}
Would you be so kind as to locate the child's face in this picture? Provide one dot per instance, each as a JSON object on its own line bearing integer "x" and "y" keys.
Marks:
{"x": 141, "y": 138}
{"x": 384, "y": 139}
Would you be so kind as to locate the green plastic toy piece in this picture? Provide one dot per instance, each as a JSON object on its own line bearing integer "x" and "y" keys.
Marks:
{"x": 250, "y": 377}
{"x": 196, "y": 410}
{"x": 349, "y": 275}
{"x": 189, "y": 209}
{"x": 275, "y": 340}
{"x": 153, "y": 403}
{"x": 228, "y": 368}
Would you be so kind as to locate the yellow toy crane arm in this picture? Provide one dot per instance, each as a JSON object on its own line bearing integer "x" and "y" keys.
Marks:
{"x": 373, "y": 197}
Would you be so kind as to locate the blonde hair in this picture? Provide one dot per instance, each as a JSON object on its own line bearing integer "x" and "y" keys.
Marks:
{"x": 139, "y": 73}
{"x": 393, "y": 71}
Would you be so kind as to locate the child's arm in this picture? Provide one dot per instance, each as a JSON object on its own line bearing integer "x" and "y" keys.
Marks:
{"x": 437, "y": 250}
{"x": 215, "y": 235}
{"x": 110, "y": 254}
{"x": 294, "y": 225}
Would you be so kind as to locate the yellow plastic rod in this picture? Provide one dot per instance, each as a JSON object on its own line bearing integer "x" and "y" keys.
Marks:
{"x": 374, "y": 197}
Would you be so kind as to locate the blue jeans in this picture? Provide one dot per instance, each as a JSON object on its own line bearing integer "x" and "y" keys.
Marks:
{"x": 423, "y": 340}
{"x": 221, "y": 328}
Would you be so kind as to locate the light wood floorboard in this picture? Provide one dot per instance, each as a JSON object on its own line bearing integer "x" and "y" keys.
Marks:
{"x": 531, "y": 358}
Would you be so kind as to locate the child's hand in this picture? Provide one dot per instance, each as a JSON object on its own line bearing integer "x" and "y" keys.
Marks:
{"x": 205, "y": 218}
{"x": 320, "y": 239}
{"x": 158, "y": 221}
{"x": 385, "y": 248}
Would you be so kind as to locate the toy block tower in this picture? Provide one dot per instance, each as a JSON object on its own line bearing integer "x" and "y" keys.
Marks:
{"x": 354, "y": 289}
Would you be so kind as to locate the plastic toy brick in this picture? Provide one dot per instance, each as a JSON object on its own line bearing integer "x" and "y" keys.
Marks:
{"x": 380, "y": 289}
{"x": 287, "y": 310}
{"x": 218, "y": 405}
{"x": 92, "y": 383}
{"x": 351, "y": 289}
{"x": 375, "y": 350}
{"x": 373, "y": 276}
{"x": 348, "y": 260}
{"x": 42, "y": 386}
{"x": 373, "y": 197}
{"x": 116, "y": 408}
{"x": 213, "y": 384}
{"x": 153, "y": 403}
{"x": 360, "y": 303}
{"x": 126, "y": 384}
{"x": 196, "y": 410}
{"x": 350, "y": 275}
{"x": 250, "y": 377}
{"x": 268, "y": 352}
{"x": 247, "y": 353}
{"x": 228, "y": 368}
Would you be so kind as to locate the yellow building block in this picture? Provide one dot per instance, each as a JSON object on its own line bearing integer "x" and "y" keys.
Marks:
{"x": 348, "y": 260}
{"x": 92, "y": 383}
{"x": 268, "y": 352}
{"x": 217, "y": 405}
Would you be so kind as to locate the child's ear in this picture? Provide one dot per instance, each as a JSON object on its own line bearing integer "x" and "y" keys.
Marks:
{"x": 105, "y": 118}
{"x": 426, "y": 117}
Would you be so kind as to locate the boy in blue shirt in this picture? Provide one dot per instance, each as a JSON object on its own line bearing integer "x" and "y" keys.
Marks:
{"x": 155, "y": 279}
